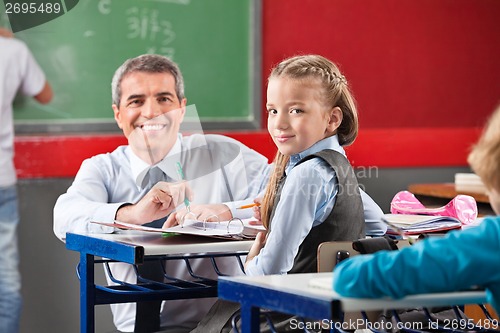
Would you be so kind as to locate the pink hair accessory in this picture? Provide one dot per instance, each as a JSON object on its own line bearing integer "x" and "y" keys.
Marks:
{"x": 461, "y": 207}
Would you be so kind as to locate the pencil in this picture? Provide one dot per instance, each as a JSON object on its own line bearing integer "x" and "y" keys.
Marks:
{"x": 248, "y": 206}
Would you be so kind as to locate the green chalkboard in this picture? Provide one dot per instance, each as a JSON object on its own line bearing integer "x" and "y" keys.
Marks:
{"x": 213, "y": 41}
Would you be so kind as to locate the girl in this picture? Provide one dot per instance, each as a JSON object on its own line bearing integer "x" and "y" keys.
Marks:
{"x": 313, "y": 195}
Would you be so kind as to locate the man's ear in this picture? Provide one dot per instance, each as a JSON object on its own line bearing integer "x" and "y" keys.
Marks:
{"x": 335, "y": 119}
{"x": 117, "y": 113}
{"x": 183, "y": 108}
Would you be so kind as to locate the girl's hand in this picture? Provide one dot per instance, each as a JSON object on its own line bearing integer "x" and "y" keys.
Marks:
{"x": 258, "y": 244}
{"x": 210, "y": 213}
{"x": 256, "y": 209}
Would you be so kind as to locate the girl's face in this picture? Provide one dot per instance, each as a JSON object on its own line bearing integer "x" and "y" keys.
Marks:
{"x": 297, "y": 116}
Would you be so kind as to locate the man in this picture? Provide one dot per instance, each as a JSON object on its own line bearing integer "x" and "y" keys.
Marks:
{"x": 18, "y": 72}
{"x": 149, "y": 106}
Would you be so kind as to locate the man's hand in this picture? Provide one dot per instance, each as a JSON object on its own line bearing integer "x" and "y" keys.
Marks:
{"x": 258, "y": 244}
{"x": 211, "y": 213}
{"x": 156, "y": 204}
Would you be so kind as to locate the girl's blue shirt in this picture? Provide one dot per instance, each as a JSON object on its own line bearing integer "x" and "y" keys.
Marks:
{"x": 307, "y": 198}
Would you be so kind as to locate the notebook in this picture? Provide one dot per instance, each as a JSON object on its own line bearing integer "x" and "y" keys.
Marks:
{"x": 233, "y": 229}
{"x": 418, "y": 224}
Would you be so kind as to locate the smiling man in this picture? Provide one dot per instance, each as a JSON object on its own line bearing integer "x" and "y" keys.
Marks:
{"x": 139, "y": 183}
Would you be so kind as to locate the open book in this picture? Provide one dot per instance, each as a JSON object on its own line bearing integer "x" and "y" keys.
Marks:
{"x": 232, "y": 229}
{"x": 419, "y": 224}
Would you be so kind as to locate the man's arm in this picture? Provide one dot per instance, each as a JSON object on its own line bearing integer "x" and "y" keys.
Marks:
{"x": 86, "y": 200}
{"x": 45, "y": 95}
{"x": 89, "y": 199}
{"x": 162, "y": 199}
{"x": 34, "y": 73}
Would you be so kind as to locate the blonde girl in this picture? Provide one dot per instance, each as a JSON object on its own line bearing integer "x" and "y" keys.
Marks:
{"x": 313, "y": 195}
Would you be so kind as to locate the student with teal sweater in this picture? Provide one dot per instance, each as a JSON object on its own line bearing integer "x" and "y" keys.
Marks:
{"x": 461, "y": 260}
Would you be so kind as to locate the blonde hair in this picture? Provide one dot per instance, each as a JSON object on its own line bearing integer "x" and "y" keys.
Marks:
{"x": 335, "y": 93}
{"x": 484, "y": 158}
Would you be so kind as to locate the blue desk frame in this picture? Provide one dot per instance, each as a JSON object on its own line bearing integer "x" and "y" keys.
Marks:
{"x": 291, "y": 294}
{"x": 135, "y": 248}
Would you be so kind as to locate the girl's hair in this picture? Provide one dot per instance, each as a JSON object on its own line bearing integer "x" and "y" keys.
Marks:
{"x": 148, "y": 63}
{"x": 335, "y": 93}
{"x": 484, "y": 158}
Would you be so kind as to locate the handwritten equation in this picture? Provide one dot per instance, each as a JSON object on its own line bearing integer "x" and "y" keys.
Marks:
{"x": 146, "y": 25}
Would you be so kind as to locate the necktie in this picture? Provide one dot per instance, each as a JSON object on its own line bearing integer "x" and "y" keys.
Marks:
{"x": 147, "y": 318}
{"x": 154, "y": 175}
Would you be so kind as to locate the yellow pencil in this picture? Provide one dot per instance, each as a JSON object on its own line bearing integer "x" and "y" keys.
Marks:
{"x": 249, "y": 206}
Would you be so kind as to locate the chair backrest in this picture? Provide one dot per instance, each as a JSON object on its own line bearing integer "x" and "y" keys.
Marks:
{"x": 328, "y": 256}
{"x": 328, "y": 252}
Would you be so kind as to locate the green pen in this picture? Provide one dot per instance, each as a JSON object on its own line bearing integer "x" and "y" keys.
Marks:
{"x": 181, "y": 175}
{"x": 168, "y": 234}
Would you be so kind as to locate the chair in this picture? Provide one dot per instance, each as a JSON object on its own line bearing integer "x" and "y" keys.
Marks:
{"x": 328, "y": 252}
{"x": 331, "y": 253}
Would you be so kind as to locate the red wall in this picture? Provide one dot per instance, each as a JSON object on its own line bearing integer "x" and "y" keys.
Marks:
{"x": 425, "y": 74}
{"x": 410, "y": 63}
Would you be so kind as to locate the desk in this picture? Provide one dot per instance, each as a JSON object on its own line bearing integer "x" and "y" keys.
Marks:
{"x": 439, "y": 194}
{"x": 134, "y": 247}
{"x": 291, "y": 294}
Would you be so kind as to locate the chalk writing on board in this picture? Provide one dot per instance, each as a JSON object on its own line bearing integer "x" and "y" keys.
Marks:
{"x": 104, "y": 7}
{"x": 81, "y": 50}
{"x": 144, "y": 24}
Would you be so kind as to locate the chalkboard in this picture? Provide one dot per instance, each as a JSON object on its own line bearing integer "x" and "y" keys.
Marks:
{"x": 213, "y": 41}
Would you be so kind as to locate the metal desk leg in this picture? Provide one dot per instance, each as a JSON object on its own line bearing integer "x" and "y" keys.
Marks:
{"x": 87, "y": 293}
{"x": 250, "y": 322}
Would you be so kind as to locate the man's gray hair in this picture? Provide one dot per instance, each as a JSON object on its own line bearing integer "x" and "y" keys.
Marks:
{"x": 149, "y": 63}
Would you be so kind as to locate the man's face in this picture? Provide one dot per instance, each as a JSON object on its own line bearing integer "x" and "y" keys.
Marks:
{"x": 150, "y": 114}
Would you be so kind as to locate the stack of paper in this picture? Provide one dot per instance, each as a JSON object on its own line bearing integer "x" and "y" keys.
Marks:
{"x": 419, "y": 224}
{"x": 469, "y": 183}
